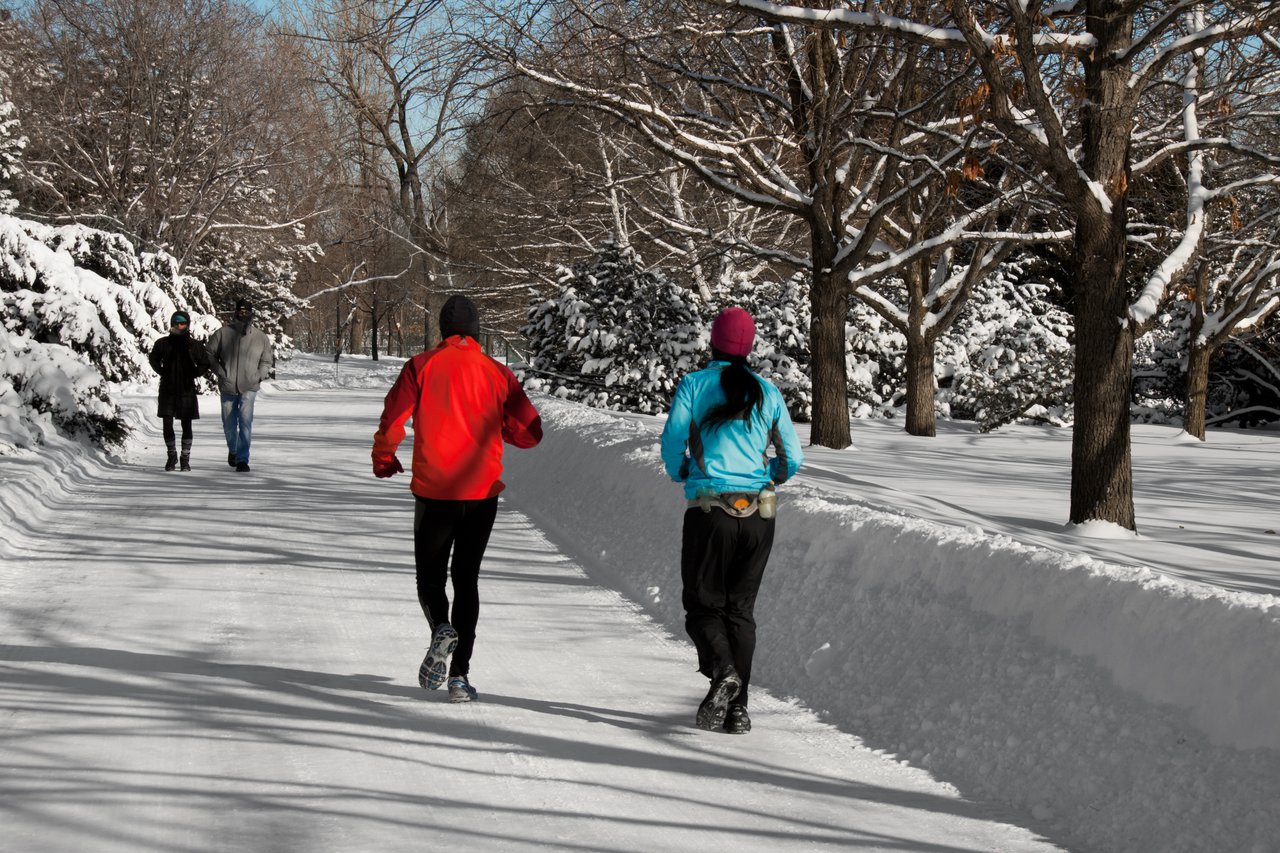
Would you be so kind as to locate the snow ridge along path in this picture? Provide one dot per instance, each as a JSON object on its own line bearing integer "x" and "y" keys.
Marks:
{"x": 217, "y": 661}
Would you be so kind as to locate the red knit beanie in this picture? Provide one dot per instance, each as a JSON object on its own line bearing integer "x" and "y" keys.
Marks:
{"x": 733, "y": 331}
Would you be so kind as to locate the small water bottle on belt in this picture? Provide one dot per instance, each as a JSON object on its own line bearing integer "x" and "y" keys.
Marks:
{"x": 768, "y": 501}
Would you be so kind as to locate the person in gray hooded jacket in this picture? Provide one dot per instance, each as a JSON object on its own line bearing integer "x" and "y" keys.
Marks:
{"x": 241, "y": 358}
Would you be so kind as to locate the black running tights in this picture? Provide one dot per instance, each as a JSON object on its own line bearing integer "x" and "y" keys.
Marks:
{"x": 463, "y": 528}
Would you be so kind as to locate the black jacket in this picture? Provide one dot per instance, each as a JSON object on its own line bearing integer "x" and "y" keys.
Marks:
{"x": 180, "y": 360}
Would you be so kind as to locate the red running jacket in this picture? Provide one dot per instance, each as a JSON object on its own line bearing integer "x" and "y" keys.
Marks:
{"x": 464, "y": 406}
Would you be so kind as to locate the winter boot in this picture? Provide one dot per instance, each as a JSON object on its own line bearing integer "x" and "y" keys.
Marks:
{"x": 737, "y": 721}
{"x": 184, "y": 462}
{"x": 172, "y": 461}
{"x": 460, "y": 689}
{"x": 435, "y": 666}
{"x": 725, "y": 684}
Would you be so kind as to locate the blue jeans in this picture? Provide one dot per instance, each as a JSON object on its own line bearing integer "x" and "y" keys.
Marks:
{"x": 237, "y": 423}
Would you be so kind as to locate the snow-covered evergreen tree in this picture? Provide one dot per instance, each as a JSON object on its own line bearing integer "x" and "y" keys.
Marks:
{"x": 262, "y": 272}
{"x": 1012, "y": 353}
{"x": 781, "y": 352}
{"x": 875, "y": 358}
{"x": 11, "y": 141}
{"x": 615, "y": 335}
{"x": 1159, "y": 366}
{"x": 79, "y": 308}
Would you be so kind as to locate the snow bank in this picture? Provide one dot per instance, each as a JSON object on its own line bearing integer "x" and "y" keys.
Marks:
{"x": 1116, "y": 708}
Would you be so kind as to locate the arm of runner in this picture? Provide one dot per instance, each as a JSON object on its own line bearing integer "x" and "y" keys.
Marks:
{"x": 396, "y": 411}
{"x": 521, "y": 423}
{"x": 675, "y": 435}
{"x": 786, "y": 445}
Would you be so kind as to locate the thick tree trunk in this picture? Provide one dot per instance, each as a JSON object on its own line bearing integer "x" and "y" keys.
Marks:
{"x": 920, "y": 386}
{"x": 830, "y": 427}
{"x": 1101, "y": 468}
{"x": 1197, "y": 388}
{"x": 355, "y": 339}
{"x": 1101, "y": 464}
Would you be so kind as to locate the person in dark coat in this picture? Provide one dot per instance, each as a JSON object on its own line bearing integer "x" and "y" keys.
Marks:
{"x": 180, "y": 360}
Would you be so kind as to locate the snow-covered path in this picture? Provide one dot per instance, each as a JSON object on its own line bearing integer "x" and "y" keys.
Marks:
{"x": 220, "y": 661}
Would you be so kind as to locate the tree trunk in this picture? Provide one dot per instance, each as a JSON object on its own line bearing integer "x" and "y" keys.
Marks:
{"x": 337, "y": 329}
{"x": 434, "y": 301}
{"x": 1101, "y": 468}
{"x": 356, "y": 336}
{"x": 829, "y": 305}
{"x": 1197, "y": 388}
{"x": 1101, "y": 463}
{"x": 920, "y": 385}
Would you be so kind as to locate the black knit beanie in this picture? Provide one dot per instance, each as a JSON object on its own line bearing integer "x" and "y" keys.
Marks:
{"x": 459, "y": 317}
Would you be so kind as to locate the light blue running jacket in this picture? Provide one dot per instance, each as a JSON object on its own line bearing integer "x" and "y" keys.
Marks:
{"x": 731, "y": 457}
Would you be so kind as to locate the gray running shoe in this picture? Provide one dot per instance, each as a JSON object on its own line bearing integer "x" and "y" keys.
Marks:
{"x": 435, "y": 666}
{"x": 460, "y": 689}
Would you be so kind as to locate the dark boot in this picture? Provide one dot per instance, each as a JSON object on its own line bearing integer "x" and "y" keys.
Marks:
{"x": 184, "y": 462}
{"x": 737, "y": 721}
{"x": 231, "y": 459}
{"x": 172, "y": 461}
{"x": 725, "y": 685}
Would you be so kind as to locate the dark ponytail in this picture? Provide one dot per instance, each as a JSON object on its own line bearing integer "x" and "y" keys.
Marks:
{"x": 742, "y": 392}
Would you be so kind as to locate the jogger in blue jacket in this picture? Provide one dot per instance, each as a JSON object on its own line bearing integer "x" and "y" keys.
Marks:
{"x": 722, "y": 422}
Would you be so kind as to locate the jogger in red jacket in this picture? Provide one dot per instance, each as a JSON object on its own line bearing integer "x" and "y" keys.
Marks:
{"x": 464, "y": 406}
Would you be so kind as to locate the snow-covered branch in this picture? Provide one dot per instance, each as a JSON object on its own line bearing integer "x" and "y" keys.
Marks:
{"x": 908, "y": 29}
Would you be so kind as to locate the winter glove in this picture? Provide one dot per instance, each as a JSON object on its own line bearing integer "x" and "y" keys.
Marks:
{"x": 386, "y": 466}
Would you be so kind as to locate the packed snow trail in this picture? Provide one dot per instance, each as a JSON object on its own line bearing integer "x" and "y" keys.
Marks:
{"x": 219, "y": 661}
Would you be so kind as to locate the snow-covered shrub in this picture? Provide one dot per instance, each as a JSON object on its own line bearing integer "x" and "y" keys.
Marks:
{"x": 1244, "y": 373}
{"x": 45, "y": 389}
{"x": 781, "y": 352}
{"x": 615, "y": 335}
{"x": 91, "y": 291}
{"x": 1017, "y": 351}
{"x": 76, "y": 294}
{"x": 875, "y": 358}
{"x": 1160, "y": 365}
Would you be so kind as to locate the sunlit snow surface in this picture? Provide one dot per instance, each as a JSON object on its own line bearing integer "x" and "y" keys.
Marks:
{"x": 925, "y": 596}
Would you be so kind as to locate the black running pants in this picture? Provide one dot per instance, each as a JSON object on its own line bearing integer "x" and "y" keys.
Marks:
{"x": 463, "y": 528}
{"x": 722, "y": 561}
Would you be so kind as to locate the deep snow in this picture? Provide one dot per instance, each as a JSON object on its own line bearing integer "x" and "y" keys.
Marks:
{"x": 1113, "y": 708}
{"x": 1119, "y": 708}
